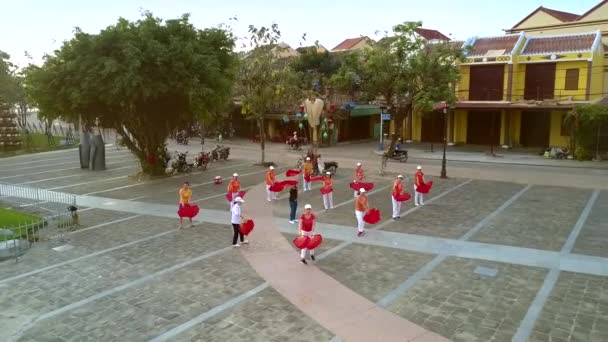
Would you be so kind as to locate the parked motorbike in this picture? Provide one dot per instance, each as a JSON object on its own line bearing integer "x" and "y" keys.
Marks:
{"x": 181, "y": 164}
{"x": 181, "y": 138}
{"x": 220, "y": 153}
{"x": 202, "y": 160}
{"x": 400, "y": 155}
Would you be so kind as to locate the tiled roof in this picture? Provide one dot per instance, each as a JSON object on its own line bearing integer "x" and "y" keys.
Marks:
{"x": 457, "y": 43}
{"x": 348, "y": 44}
{"x": 501, "y": 45}
{"x": 560, "y": 15}
{"x": 559, "y": 44}
{"x": 431, "y": 34}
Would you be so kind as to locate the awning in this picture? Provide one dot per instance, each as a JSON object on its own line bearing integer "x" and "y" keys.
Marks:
{"x": 365, "y": 110}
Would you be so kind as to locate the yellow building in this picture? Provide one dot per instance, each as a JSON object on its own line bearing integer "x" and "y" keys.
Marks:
{"x": 516, "y": 89}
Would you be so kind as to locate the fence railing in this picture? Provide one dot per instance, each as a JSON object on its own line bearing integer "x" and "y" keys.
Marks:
{"x": 55, "y": 215}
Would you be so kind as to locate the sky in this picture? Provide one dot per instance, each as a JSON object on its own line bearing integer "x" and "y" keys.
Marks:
{"x": 40, "y": 26}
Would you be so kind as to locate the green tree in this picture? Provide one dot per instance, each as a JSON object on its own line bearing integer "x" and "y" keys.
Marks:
{"x": 266, "y": 82}
{"x": 586, "y": 123}
{"x": 143, "y": 78}
{"x": 315, "y": 67}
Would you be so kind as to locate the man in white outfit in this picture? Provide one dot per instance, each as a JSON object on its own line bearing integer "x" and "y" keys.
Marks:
{"x": 397, "y": 190}
{"x": 418, "y": 180}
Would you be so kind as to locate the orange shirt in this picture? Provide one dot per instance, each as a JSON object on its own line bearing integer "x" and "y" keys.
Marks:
{"x": 419, "y": 178}
{"x": 397, "y": 187}
{"x": 359, "y": 177}
{"x": 327, "y": 181}
{"x": 307, "y": 168}
{"x": 234, "y": 186}
{"x": 361, "y": 203}
{"x": 269, "y": 177}
{"x": 184, "y": 196}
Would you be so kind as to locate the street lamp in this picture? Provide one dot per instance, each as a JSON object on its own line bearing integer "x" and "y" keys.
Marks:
{"x": 381, "y": 145}
{"x": 444, "y": 106}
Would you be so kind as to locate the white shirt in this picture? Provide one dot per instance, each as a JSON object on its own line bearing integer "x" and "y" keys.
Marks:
{"x": 236, "y": 214}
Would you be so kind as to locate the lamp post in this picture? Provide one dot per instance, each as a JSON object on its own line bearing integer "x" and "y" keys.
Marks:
{"x": 381, "y": 145}
{"x": 444, "y": 106}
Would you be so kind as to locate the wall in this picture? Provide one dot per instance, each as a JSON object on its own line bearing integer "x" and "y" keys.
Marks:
{"x": 555, "y": 136}
{"x": 539, "y": 18}
{"x": 462, "y": 92}
{"x": 417, "y": 127}
{"x": 597, "y": 76}
{"x": 460, "y": 131}
{"x": 519, "y": 82}
{"x": 515, "y": 127}
{"x": 560, "y": 80}
{"x": 600, "y": 13}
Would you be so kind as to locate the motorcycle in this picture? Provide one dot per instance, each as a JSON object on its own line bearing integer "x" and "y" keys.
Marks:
{"x": 181, "y": 138}
{"x": 220, "y": 153}
{"x": 202, "y": 160}
{"x": 400, "y": 155}
{"x": 181, "y": 164}
{"x": 331, "y": 167}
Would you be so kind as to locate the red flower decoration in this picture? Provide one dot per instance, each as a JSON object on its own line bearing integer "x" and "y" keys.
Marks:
{"x": 188, "y": 210}
{"x": 246, "y": 227}
{"x": 291, "y": 173}
{"x": 372, "y": 216}
{"x": 424, "y": 188}
{"x": 301, "y": 241}
{"x": 357, "y": 186}
{"x": 241, "y": 194}
{"x": 402, "y": 197}
{"x": 315, "y": 241}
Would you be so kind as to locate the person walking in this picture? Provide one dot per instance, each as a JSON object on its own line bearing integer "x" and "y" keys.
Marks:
{"x": 270, "y": 179}
{"x": 234, "y": 186}
{"x": 185, "y": 194}
{"x": 418, "y": 180}
{"x": 361, "y": 207}
{"x": 358, "y": 177}
{"x": 306, "y": 174}
{"x": 397, "y": 190}
{"x": 236, "y": 219}
{"x": 293, "y": 204}
{"x": 328, "y": 200}
{"x": 307, "y": 228}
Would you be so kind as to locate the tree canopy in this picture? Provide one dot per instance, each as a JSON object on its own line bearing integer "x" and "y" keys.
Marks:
{"x": 143, "y": 78}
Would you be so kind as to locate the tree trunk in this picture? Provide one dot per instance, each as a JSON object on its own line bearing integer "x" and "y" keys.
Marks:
{"x": 149, "y": 152}
{"x": 262, "y": 138}
{"x": 399, "y": 118}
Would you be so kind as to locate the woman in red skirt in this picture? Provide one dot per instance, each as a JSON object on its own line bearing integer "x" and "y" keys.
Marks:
{"x": 307, "y": 228}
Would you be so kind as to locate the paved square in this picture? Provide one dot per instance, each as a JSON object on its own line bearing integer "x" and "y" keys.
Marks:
{"x": 132, "y": 276}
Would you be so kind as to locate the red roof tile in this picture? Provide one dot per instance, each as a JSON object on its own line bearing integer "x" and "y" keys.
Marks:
{"x": 482, "y": 46}
{"x": 560, "y": 15}
{"x": 559, "y": 44}
{"x": 348, "y": 44}
{"x": 431, "y": 34}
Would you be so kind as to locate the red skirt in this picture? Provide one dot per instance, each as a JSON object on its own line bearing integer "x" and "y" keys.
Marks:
{"x": 357, "y": 186}
{"x": 402, "y": 197}
{"x": 188, "y": 210}
{"x": 424, "y": 188}
{"x": 372, "y": 216}
{"x": 291, "y": 173}
{"x": 241, "y": 194}
{"x": 246, "y": 227}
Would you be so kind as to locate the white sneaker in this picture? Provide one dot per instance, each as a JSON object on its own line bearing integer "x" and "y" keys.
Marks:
{"x": 237, "y": 245}
{"x": 245, "y": 242}
{"x": 292, "y": 222}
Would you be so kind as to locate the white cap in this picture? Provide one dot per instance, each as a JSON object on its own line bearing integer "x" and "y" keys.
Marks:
{"x": 239, "y": 199}
{"x": 218, "y": 177}
{"x": 362, "y": 190}
{"x": 234, "y": 175}
{"x": 307, "y": 158}
{"x": 271, "y": 167}
{"x": 418, "y": 167}
{"x": 400, "y": 176}
{"x": 308, "y": 206}
{"x": 328, "y": 173}
{"x": 358, "y": 164}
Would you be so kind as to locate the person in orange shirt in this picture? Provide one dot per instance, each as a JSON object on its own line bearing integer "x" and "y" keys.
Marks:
{"x": 397, "y": 190}
{"x": 358, "y": 177}
{"x": 185, "y": 194}
{"x": 307, "y": 173}
{"x": 418, "y": 180}
{"x": 234, "y": 186}
{"x": 270, "y": 179}
{"x": 361, "y": 207}
{"x": 328, "y": 200}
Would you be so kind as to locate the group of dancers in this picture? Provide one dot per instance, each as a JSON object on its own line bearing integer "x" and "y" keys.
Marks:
{"x": 307, "y": 220}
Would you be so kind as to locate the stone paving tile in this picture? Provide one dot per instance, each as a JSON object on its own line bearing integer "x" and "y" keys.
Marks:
{"x": 265, "y": 317}
{"x": 463, "y": 306}
{"x": 541, "y": 218}
{"x": 372, "y": 271}
{"x": 61, "y": 286}
{"x": 593, "y": 239}
{"x": 458, "y": 212}
{"x": 576, "y": 310}
{"x": 143, "y": 312}
{"x": 41, "y": 253}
